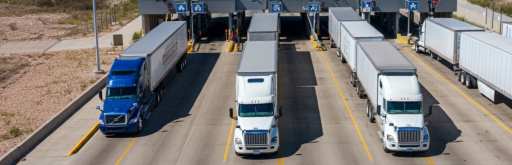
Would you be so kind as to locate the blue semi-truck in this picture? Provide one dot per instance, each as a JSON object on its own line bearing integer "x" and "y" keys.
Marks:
{"x": 134, "y": 86}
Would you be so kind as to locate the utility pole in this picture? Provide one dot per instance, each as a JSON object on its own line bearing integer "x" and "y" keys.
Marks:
{"x": 98, "y": 70}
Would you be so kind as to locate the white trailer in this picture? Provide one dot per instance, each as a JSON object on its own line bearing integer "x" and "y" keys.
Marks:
{"x": 351, "y": 33}
{"x": 163, "y": 47}
{"x": 506, "y": 29}
{"x": 394, "y": 97}
{"x": 257, "y": 111}
{"x": 486, "y": 63}
{"x": 264, "y": 27}
{"x": 440, "y": 37}
{"x": 336, "y": 16}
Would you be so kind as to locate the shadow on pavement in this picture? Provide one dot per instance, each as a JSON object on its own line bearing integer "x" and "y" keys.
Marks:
{"x": 441, "y": 128}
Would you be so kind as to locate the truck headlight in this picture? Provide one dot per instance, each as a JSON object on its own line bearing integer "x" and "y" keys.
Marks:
{"x": 238, "y": 141}
{"x": 390, "y": 138}
{"x": 134, "y": 120}
{"x": 273, "y": 140}
{"x": 101, "y": 122}
{"x": 426, "y": 138}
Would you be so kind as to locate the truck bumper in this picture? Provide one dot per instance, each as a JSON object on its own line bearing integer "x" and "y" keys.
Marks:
{"x": 393, "y": 146}
{"x": 249, "y": 150}
{"x": 119, "y": 129}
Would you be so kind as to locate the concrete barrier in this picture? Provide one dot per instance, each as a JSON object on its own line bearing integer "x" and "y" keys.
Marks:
{"x": 29, "y": 143}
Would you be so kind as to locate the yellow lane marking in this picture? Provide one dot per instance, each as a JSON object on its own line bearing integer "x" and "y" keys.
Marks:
{"x": 229, "y": 140}
{"x": 85, "y": 139}
{"x": 400, "y": 38}
{"x": 467, "y": 97}
{"x": 125, "y": 151}
{"x": 429, "y": 161}
{"x": 348, "y": 109}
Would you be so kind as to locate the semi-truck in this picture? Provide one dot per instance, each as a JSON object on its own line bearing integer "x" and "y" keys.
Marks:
{"x": 134, "y": 84}
{"x": 352, "y": 32}
{"x": 391, "y": 85}
{"x": 486, "y": 63}
{"x": 337, "y": 15}
{"x": 264, "y": 27}
{"x": 440, "y": 37}
{"x": 506, "y": 29}
{"x": 257, "y": 112}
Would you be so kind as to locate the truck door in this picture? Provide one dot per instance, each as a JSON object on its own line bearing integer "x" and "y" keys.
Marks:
{"x": 382, "y": 101}
{"x": 143, "y": 89}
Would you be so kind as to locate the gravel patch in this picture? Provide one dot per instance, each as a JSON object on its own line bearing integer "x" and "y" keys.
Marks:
{"x": 35, "y": 86}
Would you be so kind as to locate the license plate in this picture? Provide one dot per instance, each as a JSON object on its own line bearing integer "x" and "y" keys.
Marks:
{"x": 409, "y": 149}
{"x": 256, "y": 152}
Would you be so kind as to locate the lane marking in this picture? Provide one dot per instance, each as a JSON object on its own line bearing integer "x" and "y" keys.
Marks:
{"x": 348, "y": 109}
{"x": 467, "y": 97}
{"x": 229, "y": 140}
{"x": 400, "y": 38}
{"x": 125, "y": 151}
{"x": 84, "y": 140}
{"x": 429, "y": 161}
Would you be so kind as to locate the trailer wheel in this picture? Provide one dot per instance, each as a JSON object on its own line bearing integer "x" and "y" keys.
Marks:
{"x": 178, "y": 66}
{"x": 463, "y": 78}
{"x": 353, "y": 80}
{"x": 359, "y": 91}
{"x": 343, "y": 60}
{"x": 469, "y": 84}
{"x": 459, "y": 76}
{"x": 433, "y": 55}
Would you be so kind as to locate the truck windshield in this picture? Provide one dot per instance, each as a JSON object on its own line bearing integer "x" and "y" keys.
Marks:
{"x": 405, "y": 107}
{"x": 122, "y": 93}
{"x": 254, "y": 110}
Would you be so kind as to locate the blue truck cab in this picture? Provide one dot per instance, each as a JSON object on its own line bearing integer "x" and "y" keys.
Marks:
{"x": 134, "y": 84}
{"x": 128, "y": 100}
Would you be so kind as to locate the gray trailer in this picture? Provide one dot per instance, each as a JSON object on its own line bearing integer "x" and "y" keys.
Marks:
{"x": 264, "y": 27}
{"x": 336, "y": 16}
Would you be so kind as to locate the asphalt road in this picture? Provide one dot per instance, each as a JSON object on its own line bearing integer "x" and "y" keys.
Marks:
{"x": 324, "y": 121}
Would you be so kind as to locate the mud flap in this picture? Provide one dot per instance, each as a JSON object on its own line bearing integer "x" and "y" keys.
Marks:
{"x": 486, "y": 90}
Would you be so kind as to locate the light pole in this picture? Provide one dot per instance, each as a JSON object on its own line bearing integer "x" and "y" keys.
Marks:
{"x": 98, "y": 70}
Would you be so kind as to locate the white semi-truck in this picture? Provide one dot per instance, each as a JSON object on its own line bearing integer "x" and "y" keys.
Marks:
{"x": 257, "y": 112}
{"x": 337, "y": 15}
{"x": 350, "y": 33}
{"x": 440, "y": 37}
{"x": 390, "y": 82}
{"x": 506, "y": 29}
{"x": 486, "y": 62}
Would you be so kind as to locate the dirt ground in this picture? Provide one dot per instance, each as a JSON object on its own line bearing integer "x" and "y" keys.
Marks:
{"x": 35, "y": 86}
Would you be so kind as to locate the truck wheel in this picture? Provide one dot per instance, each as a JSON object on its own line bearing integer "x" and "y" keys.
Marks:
{"x": 469, "y": 84}
{"x": 178, "y": 66}
{"x": 158, "y": 98}
{"x": 432, "y": 55}
{"x": 343, "y": 60}
{"x": 416, "y": 48}
{"x": 459, "y": 76}
{"x": 139, "y": 125}
{"x": 386, "y": 150}
{"x": 463, "y": 78}
{"x": 359, "y": 91}
{"x": 474, "y": 82}
{"x": 352, "y": 80}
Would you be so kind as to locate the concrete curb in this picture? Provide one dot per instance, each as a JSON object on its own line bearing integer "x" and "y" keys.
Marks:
{"x": 29, "y": 143}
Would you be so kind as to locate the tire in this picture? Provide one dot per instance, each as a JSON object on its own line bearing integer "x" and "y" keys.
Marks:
{"x": 178, "y": 66}
{"x": 386, "y": 150}
{"x": 140, "y": 125}
{"x": 343, "y": 60}
{"x": 463, "y": 78}
{"x": 158, "y": 98}
{"x": 359, "y": 91}
{"x": 352, "y": 80}
{"x": 432, "y": 55}
{"x": 474, "y": 82}
{"x": 469, "y": 84}
{"x": 416, "y": 48}
{"x": 459, "y": 76}
{"x": 369, "y": 111}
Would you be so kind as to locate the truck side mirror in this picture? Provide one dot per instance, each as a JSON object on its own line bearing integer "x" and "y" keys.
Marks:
{"x": 378, "y": 109}
{"x": 100, "y": 94}
{"x": 429, "y": 110}
{"x": 231, "y": 114}
{"x": 98, "y": 108}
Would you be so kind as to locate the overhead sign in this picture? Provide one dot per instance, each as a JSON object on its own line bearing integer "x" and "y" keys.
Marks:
{"x": 197, "y": 8}
{"x": 181, "y": 8}
{"x": 314, "y": 7}
{"x": 412, "y": 5}
{"x": 276, "y": 8}
{"x": 366, "y": 6}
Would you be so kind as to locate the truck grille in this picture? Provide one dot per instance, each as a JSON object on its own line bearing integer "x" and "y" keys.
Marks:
{"x": 409, "y": 135}
{"x": 115, "y": 119}
{"x": 255, "y": 138}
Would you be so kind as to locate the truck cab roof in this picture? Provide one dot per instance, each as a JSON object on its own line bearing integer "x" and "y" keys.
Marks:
{"x": 401, "y": 88}
{"x": 255, "y": 88}
{"x": 124, "y": 72}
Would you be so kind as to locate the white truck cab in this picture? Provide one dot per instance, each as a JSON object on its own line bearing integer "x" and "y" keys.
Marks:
{"x": 257, "y": 112}
{"x": 391, "y": 84}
